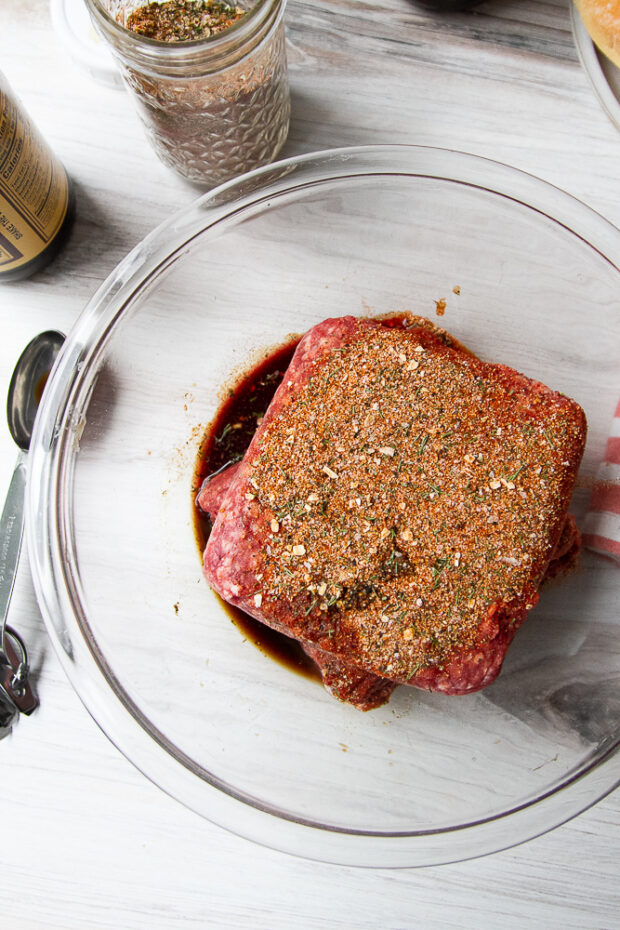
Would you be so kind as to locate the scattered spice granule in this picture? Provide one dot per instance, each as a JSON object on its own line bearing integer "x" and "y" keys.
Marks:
{"x": 440, "y": 307}
{"x": 456, "y": 289}
{"x": 183, "y": 20}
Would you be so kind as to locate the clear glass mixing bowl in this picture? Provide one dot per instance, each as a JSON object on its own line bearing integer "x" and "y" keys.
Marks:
{"x": 201, "y": 711}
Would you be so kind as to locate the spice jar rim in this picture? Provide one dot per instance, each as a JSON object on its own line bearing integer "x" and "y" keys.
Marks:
{"x": 217, "y": 50}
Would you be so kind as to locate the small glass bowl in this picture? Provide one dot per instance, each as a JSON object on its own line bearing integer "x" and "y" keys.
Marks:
{"x": 220, "y": 726}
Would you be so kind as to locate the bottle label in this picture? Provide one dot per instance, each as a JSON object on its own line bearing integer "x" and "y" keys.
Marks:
{"x": 34, "y": 191}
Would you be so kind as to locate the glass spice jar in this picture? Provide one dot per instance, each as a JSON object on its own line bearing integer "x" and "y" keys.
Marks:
{"x": 212, "y": 107}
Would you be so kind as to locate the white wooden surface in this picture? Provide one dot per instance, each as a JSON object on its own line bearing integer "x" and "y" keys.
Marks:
{"x": 85, "y": 840}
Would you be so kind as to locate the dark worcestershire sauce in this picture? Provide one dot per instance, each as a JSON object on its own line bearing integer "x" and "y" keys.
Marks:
{"x": 225, "y": 443}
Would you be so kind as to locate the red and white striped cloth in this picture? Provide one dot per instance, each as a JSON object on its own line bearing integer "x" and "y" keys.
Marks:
{"x": 601, "y": 528}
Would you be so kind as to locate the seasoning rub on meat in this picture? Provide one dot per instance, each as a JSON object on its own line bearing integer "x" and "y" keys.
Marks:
{"x": 398, "y": 508}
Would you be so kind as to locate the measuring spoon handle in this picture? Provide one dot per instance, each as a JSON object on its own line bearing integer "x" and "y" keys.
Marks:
{"x": 11, "y": 532}
{"x": 15, "y": 691}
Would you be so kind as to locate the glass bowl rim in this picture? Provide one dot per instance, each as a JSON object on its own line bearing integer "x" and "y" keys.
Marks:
{"x": 47, "y": 502}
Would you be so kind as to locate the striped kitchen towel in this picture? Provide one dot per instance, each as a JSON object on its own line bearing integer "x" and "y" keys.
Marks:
{"x": 601, "y": 527}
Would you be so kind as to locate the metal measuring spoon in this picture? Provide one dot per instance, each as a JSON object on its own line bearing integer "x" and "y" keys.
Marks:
{"x": 25, "y": 390}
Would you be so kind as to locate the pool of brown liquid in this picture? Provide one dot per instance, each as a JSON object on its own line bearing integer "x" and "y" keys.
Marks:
{"x": 225, "y": 443}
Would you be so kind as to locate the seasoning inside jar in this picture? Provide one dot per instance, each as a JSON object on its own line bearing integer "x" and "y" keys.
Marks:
{"x": 183, "y": 20}
{"x": 209, "y": 79}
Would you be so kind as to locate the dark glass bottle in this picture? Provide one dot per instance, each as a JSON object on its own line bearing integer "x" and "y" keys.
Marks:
{"x": 36, "y": 197}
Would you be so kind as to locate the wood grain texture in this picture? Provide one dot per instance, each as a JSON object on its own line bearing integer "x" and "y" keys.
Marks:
{"x": 87, "y": 841}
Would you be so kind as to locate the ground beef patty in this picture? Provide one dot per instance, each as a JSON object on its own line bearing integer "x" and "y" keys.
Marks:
{"x": 399, "y": 504}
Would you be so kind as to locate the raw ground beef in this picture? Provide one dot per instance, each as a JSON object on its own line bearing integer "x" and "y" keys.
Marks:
{"x": 397, "y": 509}
{"x": 346, "y": 682}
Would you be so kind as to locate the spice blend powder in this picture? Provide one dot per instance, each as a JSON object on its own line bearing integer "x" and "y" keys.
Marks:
{"x": 183, "y": 20}
{"x": 414, "y": 485}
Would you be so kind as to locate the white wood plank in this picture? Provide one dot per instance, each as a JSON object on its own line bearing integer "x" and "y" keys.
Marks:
{"x": 86, "y": 840}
